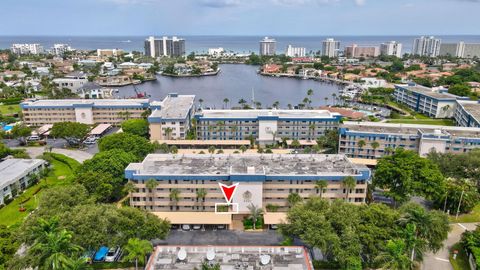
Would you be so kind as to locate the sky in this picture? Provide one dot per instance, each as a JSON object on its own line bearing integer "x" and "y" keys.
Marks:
{"x": 239, "y": 17}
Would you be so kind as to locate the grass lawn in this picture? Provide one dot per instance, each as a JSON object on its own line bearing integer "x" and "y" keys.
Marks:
{"x": 9, "y": 109}
{"x": 473, "y": 216}
{"x": 461, "y": 262}
{"x": 438, "y": 122}
{"x": 61, "y": 174}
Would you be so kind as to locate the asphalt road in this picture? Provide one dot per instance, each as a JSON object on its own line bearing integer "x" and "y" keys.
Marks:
{"x": 440, "y": 260}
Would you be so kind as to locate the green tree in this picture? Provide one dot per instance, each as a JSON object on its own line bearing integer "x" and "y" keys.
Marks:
{"x": 243, "y": 148}
{"x": 21, "y": 132}
{"x": 102, "y": 186}
{"x": 72, "y": 132}
{"x": 225, "y": 101}
{"x": 211, "y": 149}
{"x": 201, "y": 195}
{"x": 394, "y": 257}
{"x": 136, "y": 250}
{"x": 460, "y": 90}
{"x": 374, "y": 145}
{"x": 77, "y": 263}
{"x": 348, "y": 183}
{"x": 136, "y": 126}
{"x": 112, "y": 162}
{"x": 255, "y": 213}
{"x": 293, "y": 199}
{"x": 130, "y": 143}
{"x": 152, "y": 185}
{"x": 321, "y": 185}
{"x": 405, "y": 174}
{"x": 465, "y": 189}
{"x": 174, "y": 196}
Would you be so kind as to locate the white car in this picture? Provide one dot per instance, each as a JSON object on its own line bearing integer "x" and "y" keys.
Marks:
{"x": 186, "y": 227}
{"x": 90, "y": 140}
{"x": 33, "y": 138}
{"x": 113, "y": 254}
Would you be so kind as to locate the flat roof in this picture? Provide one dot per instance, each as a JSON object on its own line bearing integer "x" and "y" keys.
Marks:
{"x": 427, "y": 91}
{"x": 473, "y": 109}
{"x": 231, "y": 257}
{"x": 244, "y": 164}
{"x": 92, "y": 102}
{"x": 100, "y": 129}
{"x": 12, "y": 169}
{"x": 393, "y": 128}
{"x": 204, "y": 142}
{"x": 302, "y": 114}
{"x": 173, "y": 107}
{"x": 195, "y": 217}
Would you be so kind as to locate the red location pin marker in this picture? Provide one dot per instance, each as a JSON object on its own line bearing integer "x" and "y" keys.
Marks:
{"x": 228, "y": 191}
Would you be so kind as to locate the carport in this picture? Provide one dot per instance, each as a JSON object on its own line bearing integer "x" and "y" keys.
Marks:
{"x": 195, "y": 218}
{"x": 274, "y": 218}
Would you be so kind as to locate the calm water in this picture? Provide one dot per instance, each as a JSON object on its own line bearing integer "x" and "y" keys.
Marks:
{"x": 236, "y": 82}
{"x": 241, "y": 44}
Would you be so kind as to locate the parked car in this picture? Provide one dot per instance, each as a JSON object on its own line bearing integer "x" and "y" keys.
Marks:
{"x": 90, "y": 140}
{"x": 100, "y": 254}
{"x": 113, "y": 254}
{"x": 273, "y": 227}
{"x": 33, "y": 138}
{"x": 221, "y": 227}
{"x": 186, "y": 227}
{"x": 197, "y": 227}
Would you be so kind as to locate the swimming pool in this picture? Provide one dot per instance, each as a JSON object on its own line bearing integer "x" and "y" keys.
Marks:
{"x": 7, "y": 127}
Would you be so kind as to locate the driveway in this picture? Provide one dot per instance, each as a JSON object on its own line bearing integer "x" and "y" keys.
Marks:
{"x": 223, "y": 237}
{"x": 78, "y": 155}
{"x": 440, "y": 260}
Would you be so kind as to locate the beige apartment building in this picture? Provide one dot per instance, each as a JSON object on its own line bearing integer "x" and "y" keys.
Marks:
{"x": 87, "y": 111}
{"x": 188, "y": 192}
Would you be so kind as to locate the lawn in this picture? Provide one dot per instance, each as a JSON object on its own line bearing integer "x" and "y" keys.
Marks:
{"x": 9, "y": 109}
{"x": 461, "y": 262}
{"x": 473, "y": 216}
{"x": 61, "y": 174}
{"x": 437, "y": 122}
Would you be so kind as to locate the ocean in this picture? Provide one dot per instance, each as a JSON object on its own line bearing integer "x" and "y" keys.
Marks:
{"x": 239, "y": 44}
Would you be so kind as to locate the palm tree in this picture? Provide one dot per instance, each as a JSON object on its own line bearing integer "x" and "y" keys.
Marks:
{"x": 79, "y": 263}
{"x": 243, "y": 148}
{"x": 201, "y": 194}
{"x": 136, "y": 250}
{"x": 54, "y": 248}
{"x": 394, "y": 257}
{"x": 129, "y": 188}
{"x": 334, "y": 98}
{"x": 174, "y": 195}
{"x": 293, "y": 199}
{"x": 242, "y": 102}
{"x": 289, "y": 106}
{"x": 307, "y": 101}
{"x": 374, "y": 145}
{"x": 321, "y": 185}
{"x": 310, "y": 92}
{"x": 361, "y": 144}
{"x": 255, "y": 214}
{"x": 326, "y": 101}
{"x": 311, "y": 128}
{"x": 201, "y": 103}
{"x": 389, "y": 150}
{"x": 276, "y": 104}
{"x": 168, "y": 132}
{"x": 211, "y": 149}
{"x": 225, "y": 101}
{"x": 151, "y": 184}
{"x": 124, "y": 115}
{"x": 349, "y": 183}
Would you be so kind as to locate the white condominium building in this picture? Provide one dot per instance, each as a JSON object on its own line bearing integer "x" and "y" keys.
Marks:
{"x": 330, "y": 47}
{"x": 27, "y": 48}
{"x": 295, "y": 51}
{"x": 426, "y": 46}
{"x": 391, "y": 48}
{"x": 268, "y": 46}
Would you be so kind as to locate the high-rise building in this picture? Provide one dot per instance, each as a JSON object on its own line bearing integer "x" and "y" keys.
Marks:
{"x": 356, "y": 51}
{"x": 268, "y": 46}
{"x": 165, "y": 46}
{"x": 27, "y": 48}
{"x": 460, "y": 49}
{"x": 60, "y": 49}
{"x": 391, "y": 48}
{"x": 295, "y": 51}
{"x": 426, "y": 46}
{"x": 330, "y": 47}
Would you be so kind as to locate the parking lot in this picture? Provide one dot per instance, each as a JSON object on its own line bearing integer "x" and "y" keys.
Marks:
{"x": 223, "y": 237}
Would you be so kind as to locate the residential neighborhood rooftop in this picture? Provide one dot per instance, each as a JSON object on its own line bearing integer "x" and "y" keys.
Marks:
{"x": 302, "y": 114}
{"x": 473, "y": 109}
{"x": 428, "y": 92}
{"x": 94, "y": 102}
{"x": 173, "y": 106}
{"x": 11, "y": 169}
{"x": 231, "y": 257}
{"x": 244, "y": 164}
{"x": 378, "y": 127}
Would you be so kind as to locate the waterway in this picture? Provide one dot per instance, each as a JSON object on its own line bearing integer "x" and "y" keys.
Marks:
{"x": 235, "y": 82}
